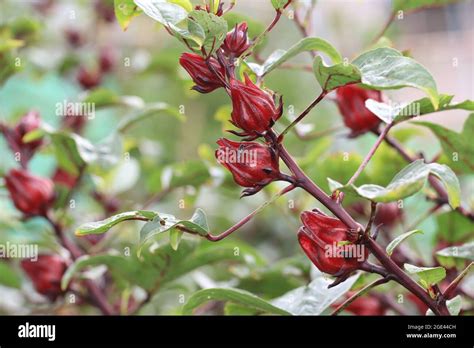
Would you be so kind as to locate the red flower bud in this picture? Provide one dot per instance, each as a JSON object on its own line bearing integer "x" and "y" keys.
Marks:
{"x": 74, "y": 37}
{"x": 64, "y": 178}
{"x": 252, "y": 165}
{"x": 88, "y": 79}
{"x": 107, "y": 59}
{"x": 206, "y": 80}
{"x": 236, "y": 41}
{"x": 31, "y": 194}
{"x": 254, "y": 110}
{"x": 219, "y": 12}
{"x": 351, "y": 102}
{"x": 46, "y": 274}
{"x": 105, "y": 10}
{"x": 14, "y": 136}
{"x": 388, "y": 214}
{"x": 74, "y": 122}
{"x": 365, "y": 305}
{"x": 321, "y": 238}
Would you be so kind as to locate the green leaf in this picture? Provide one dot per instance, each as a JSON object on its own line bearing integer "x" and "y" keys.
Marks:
{"x": 125, "y": 10}
{"x": 149, "y": 111}
{"x": 156, "y": 267}
{"x": 458, "y": 147}
{"x": 394, "y": 243}
{"x": 332, "y": 77}
{"x": 162, "y": 11}
{"x": 387, "y": 68}
{"x": 186, "y": 4}
{"x": 103, "y": 226}
{"x": 424, "y": 106}
{"x": 453, "y": 227}
{"x": 314, "y": 298}
{"x": 307, "y": 44}
{"x": 454, "y": 306}
{"x": 409, "y": 181}
{"x": 8, "y": 276}
{"x": 210, "y": 30}
{"x": 279, "y": 4}
{"x": 427, "y": 276}
{"x": 233, "y": 295}
{"x": 66, "y": 148}
{"x": 410, "y": 5}
{"x": 164, "y": 222}
{"x": 7, "y": 66}
{"x": 383, "y": 111}
{"x": 456, "y": 255}
{"x": 175, "y": 238}
{"x": 102, "y": 97}
{"x": 450, "y": 182}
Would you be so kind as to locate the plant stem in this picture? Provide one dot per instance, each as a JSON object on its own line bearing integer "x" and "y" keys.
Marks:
{"x": 385, "y": 27}
{"x": 235, "y": 227}
{"x": 303, "y": 181}
{"x": 361, "y": 292}
{"x": 303, "y": 114}
{"x": 303, "y": 29}
{"x": 442, "y": 196}
{"x": 96, "y": 294}
{"x": 454, "y": 284}
{"x": 403, "y": 279}
{"x": 260, "y": 37}
{"x": 369, "y": 155}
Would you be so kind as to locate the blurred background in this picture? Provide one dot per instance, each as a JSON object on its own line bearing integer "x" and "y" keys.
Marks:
{"x": 172, "y": 167}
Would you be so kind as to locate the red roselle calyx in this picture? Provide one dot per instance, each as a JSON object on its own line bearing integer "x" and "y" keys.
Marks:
{"x": 329, "y": 244}
{"x": 46, "y": 273}
{"x": 236, "y": 41}
{"x": 31, "y": 194}
{"x": 351, "y": 102}
{"x": 218, "y": 12}
{"x": 64, "y": 178}
{"x": 107, "y": 59}
{"x": 14, "y": 136}
{"x": 254, "y": 110}
{"x": 365, "y": 305}
{"x": 388, "y": 214}
{"x": 252, "y": 165}
{"x": 89, "y": 79}
{"x": 205, "y": 79}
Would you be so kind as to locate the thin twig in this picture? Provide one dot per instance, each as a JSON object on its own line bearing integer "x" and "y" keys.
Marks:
{"x": 448, "y": 293}
{"x": 359, "y": 293}
{"x": 367, "y": 158}
{"x": 303, "y": 114}
{"x": 385, "y": 27}
{"x": 235, "y": 227}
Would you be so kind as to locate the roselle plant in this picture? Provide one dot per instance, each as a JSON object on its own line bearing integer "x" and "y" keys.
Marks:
{"x": 350, "y": 218}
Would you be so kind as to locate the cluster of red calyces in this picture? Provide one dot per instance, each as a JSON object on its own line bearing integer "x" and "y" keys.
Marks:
{"x": 351, "y": 103}
{"x": 329, "y": 244}
{"x": 31, "y": 194}
{"x": 254, "y": 111}
{"x": 46, "y": 273}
